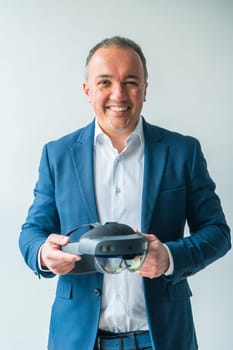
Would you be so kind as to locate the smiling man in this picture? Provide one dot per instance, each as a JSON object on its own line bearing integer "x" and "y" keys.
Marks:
{"x": 120, "y": 168}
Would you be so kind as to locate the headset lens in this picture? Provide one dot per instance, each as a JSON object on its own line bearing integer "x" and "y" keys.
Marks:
{"x": 135, "y": 263}
{"x": 117, "y": 264}
{"x": 109, "y": 264}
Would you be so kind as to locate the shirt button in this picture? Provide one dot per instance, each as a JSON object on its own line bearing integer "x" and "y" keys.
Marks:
{"x": 117, "y": 190}
{"x": 97, "y": 292}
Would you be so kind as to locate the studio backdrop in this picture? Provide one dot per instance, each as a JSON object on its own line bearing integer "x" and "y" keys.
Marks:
{"x": 43, "y": 46}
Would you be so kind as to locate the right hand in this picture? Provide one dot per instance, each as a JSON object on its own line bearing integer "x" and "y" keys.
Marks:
{"x": 54, "y": 259}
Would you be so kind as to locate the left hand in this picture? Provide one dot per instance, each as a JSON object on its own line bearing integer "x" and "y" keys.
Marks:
{"x": 157, "y": 259}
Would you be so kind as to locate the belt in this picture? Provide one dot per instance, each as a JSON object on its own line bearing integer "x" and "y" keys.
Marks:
{"x": 119, "y": 341}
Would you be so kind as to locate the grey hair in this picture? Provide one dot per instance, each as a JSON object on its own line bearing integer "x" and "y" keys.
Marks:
{"x": 122, "y": 43}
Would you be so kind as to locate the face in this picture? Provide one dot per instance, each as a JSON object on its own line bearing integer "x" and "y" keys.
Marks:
{"x": 116, "y": 89}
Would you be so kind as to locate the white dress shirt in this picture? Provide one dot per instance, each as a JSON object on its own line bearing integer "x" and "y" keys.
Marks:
{"x": 118, "y": 186}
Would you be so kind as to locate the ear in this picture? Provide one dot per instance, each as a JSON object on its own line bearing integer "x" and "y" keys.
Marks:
{"x": 145, "y": 90}
{"x": 86, "y": 91}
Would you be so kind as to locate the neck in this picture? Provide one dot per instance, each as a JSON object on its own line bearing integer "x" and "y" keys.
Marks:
{"x": 118, "y": 138}
{"x": 118, "y": 143}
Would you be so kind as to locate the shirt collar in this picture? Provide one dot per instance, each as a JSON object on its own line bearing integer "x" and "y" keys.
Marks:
{"x": 137, "y": 132}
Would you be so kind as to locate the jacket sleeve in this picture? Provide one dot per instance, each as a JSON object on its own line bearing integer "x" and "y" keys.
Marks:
{"x": 42, "y": 218}
{"x": 209, "y": 237}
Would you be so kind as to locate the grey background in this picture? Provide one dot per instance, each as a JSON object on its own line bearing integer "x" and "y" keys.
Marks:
{"x": 43, "y": 45}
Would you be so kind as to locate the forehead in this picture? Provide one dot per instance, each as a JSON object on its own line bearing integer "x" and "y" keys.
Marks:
{"x": 115, "y": 59}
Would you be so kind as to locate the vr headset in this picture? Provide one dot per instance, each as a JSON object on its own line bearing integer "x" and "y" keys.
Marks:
{"x": 109, "y": 248}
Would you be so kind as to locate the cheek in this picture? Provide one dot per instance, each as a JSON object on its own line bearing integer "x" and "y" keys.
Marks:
{"x": 99, "y": 98}
{"x": 138, "y": 98}
{"x": 137, "y": 94}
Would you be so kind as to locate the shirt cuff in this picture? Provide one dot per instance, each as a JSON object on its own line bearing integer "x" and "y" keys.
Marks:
{"x": 41, "y": 268}
{"x": 170, "y": 269}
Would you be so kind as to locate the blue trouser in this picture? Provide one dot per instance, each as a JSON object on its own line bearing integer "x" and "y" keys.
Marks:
{"x": 123, "y": 341}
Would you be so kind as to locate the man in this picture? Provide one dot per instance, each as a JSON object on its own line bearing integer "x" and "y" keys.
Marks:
{"x": 120, "y": 168}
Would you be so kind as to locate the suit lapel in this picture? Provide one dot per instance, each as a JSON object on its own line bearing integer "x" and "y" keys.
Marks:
{"x": 83, "y": 161}
{"x": 154, "y": 166}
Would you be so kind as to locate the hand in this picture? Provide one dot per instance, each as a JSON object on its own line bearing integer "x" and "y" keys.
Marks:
{"x": 53, "y": 258}
{"x": 157, "y": 259}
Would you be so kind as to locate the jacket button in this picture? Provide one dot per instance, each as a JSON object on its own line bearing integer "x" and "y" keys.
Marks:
{"x": 97, "y": 292}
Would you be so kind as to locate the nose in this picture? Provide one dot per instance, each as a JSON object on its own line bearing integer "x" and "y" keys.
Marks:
{"x": 118, "y": 92}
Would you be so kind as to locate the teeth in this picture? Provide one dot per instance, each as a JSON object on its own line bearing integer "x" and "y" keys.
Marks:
{"x": 118, "y": 109}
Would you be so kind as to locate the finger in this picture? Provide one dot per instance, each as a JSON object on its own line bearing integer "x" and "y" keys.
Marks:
{"x": 58, "y": 239}
{"x": 137, "y": 231}
{"x": 147, "y": 274}
{"x": 150, "y": 269}
{"x": 65, "y": 269}
{"x": 151, "y": 237}
{"x": 147, "y": 235}
{"x": 62, "y": 269}
{"x": 60, "y": 262}
{"x": 64, "y": 257}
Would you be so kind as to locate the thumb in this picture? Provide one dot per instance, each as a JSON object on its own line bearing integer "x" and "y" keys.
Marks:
{"x": 151, "y": 237}
{"x": 58, "y": 239}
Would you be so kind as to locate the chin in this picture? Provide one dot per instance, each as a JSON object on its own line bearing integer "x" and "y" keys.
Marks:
{"x": 122, "y": 123}
{"x": 118, "y": 127}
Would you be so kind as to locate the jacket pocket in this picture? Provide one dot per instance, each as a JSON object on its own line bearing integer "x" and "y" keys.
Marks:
{"x": 64, "y": 289}
{"x": 179, "y": 291}
{"x": 177, "y": 188}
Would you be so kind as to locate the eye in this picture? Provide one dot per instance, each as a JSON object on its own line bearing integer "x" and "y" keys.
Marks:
{"x": 131, "y": 83}
{"x": 104, "y": 82}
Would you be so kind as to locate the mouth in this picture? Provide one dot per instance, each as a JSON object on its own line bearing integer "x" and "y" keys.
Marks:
{"x": 118, "y": 108}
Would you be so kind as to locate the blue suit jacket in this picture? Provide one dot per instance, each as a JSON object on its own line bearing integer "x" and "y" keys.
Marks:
{"x": 177, "y": 188}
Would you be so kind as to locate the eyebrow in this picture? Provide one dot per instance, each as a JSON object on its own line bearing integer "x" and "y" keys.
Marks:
{"x": 130, "y": 76}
